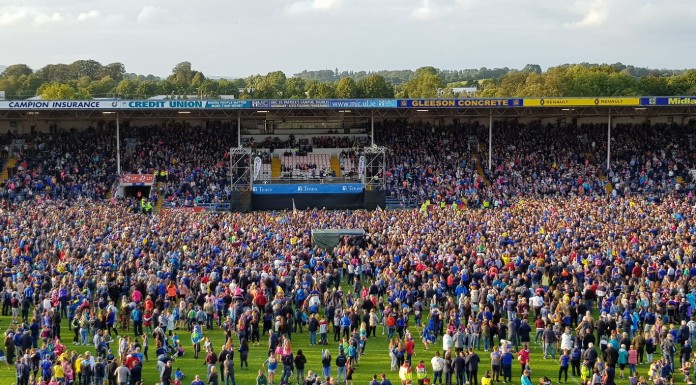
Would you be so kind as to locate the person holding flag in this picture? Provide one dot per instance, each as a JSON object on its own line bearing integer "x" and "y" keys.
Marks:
{"x": 196, "y": 337}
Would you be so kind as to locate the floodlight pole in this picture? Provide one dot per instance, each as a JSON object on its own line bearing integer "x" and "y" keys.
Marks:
{"x": 609, "y": 144}
{"x": 372, "y": 127}
{"x": 490, "y": 141}
{"x": 118, "y": 145}
{"x": 239, "y": 129}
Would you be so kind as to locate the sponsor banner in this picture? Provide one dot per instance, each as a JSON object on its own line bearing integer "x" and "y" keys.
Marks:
{"x": 581, "y": 102}
{"x": 181, "y": 104}
{"x": 257, "y": 167}
{"x": 32, "y": 105}
{"x": 361, "y": 166}
{"x": 363, "y": 103}
{"x": 668, "y": 101}
{"x": 459, "y": 103}
{"x": 170, "y": 210}
{"x": 222, "y": 104}
{"x": 323, "y": 103}
{"x": 286, "y": 189}
{"x": 138, "y": 179}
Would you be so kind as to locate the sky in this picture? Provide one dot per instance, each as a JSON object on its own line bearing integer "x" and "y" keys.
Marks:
{"x": 238, "y": 38}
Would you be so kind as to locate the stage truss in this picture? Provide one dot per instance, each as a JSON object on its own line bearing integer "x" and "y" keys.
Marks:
{"x": 241, "y": 169}
{"x": 375, "y": 168}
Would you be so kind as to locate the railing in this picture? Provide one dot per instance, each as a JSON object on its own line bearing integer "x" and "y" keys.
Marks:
{"x": 209, "y": 207}
{"x": 393, "y": 203}
{"x": 310, "y": 180}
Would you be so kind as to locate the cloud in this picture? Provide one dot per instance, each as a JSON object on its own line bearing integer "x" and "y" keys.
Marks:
{"x": 45, "y": 18}
{"x": 11, "y": 18}
{"x": 593, "y": 12}
{"x": 148, "y": 13}
{"x": 424, "y": 12}
{"x": 86, "y": 16}
{"x": 428, "y": 10}
{"x": 309, "y": 6}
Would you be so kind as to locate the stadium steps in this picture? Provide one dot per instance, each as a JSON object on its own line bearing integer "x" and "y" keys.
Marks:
{"x": 479, "y": 170}
{"x": 160, "y": 202}
{"x": 275, "y": 168}
{"x": 609, "y": 188}
{"x": 160, "y": 197}
{"x": 602, "y": 176}
{"x": 6, "y": 170}
{"x": 336, "y": 165}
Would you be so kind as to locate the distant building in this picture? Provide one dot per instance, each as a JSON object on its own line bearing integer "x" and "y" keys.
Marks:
{"x": 465, "y": 90}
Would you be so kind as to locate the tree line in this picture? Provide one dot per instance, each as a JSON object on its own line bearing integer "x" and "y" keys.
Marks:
{"x": 87, "y": 79}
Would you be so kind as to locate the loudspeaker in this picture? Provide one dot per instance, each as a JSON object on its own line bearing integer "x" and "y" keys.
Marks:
{"x": 375, "y": 198}
{"x": 241, "y": 201}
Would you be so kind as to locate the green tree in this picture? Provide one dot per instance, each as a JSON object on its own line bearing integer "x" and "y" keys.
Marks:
{"x": 319, "y": 90}
{"x": 229, "y": 87}
{"x": 55, "y": 73}
{"x": 295, "y": 88}
{"x": 532, "y": 68}
{"x": 209, "y": 89}
{"x": 17, "y": 70}
{"x": 114, "y": 70}
{"x": 425, "y": 84}
{"x": 346, "y": 88}
{"x": 375, "y": 86}
{"x": 91, "y": 69}
{"x": 183, "y": 77}
{"x": 57, "y": 91}
{"x": 144, "y": 90}
{"x": 127, "y": 88}
{"x": 102, "y": 87}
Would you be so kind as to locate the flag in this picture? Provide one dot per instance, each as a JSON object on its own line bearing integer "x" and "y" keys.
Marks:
{"x": 379, "y": 208}
{"x": 294, "y": 209}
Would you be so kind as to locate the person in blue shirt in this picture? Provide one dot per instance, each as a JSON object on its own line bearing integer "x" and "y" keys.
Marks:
{"x": 525, "y": 380}
{"x": 506, "y": 364}
{"x": 345, "y": 325}
{"x": 197, "y": 380}
{"x": 385, "y": 380}
{"x": 565, "y": 362}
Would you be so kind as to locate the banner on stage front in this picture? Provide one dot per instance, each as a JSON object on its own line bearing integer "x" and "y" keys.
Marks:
{"x": 288, "y": 189}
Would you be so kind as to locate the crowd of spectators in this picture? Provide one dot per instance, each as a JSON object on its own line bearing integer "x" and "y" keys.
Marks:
{"x": 601, "y": 281}
{"x": 463, "y": 282}
{"x": 195, "y": 160}
{"x": 62, "y": 166}
{"x": 534, "y": 159}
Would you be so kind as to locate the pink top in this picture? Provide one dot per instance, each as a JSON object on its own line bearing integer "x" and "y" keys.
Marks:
{"x": 523, "y": 356}
{"x": 633, "y": 357}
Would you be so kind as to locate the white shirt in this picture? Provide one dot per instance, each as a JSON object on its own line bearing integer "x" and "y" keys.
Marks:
{"x": 47, "y": 304}
{"x": 536, "y": 301}
{"x": 566, "y": 341}
{"x": 447, "y": 342}
{"x": 438, "y": 363}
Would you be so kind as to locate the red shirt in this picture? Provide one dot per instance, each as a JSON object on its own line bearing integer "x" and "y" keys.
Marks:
{"x": 410, "y": 347}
